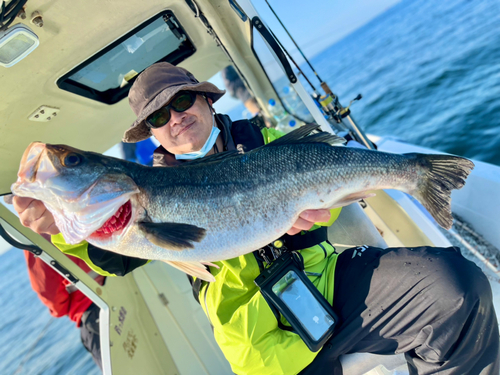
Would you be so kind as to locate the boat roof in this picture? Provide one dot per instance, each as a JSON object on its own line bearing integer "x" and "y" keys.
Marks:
{"x": 72, "y": 33}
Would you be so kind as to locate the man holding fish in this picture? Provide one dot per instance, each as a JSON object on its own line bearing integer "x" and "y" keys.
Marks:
{"x": 229, "y": 190}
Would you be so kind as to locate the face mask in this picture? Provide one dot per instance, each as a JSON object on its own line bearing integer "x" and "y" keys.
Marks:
{"x": 212, "y": 138}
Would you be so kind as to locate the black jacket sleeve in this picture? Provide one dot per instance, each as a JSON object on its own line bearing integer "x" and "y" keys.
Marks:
{"x": 114, "y": 263}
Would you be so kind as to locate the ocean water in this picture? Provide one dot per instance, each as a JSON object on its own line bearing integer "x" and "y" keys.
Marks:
{"x": 32, "y": 342}
{"x": 429, "y": 72}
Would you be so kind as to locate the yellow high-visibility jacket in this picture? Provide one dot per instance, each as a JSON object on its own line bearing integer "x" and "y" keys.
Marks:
{"x": 245, "y": 327}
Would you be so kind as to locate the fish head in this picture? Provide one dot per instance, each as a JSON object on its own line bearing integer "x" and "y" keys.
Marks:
{"x": 61, "y": 169}
{"x": 81, "y": 189}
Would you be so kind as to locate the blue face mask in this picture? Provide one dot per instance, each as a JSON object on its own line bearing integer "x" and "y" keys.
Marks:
{"x": 212, "y": 138}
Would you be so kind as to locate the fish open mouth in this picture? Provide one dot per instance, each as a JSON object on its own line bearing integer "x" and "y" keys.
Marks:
{"x": 116, "y": 222}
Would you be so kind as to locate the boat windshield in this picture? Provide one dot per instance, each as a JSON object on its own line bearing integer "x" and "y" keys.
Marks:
{"x": 108, "y": 75}
{"x": 287, "y": 95}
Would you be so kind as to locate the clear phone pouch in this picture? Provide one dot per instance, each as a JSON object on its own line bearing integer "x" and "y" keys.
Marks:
{"x": 286, "y": 287}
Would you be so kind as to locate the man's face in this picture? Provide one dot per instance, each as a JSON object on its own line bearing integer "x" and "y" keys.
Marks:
{"x": 186, "y": 131}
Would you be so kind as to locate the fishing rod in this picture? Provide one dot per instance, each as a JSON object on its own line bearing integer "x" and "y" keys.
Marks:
{"x": 330, "y": 102}
{"x": 316, "y": 96}
{"x": 327, "y": 89}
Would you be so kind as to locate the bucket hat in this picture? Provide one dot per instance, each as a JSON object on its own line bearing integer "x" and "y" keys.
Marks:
{"x": 154, "y": 88}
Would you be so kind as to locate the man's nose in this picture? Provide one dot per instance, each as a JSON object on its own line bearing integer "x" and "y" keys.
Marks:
{"x": 176, "y": 117}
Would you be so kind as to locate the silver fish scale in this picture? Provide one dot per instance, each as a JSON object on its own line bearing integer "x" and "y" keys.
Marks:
{"x": 247, "y": 201}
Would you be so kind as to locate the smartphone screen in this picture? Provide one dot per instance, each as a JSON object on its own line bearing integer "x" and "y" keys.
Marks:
{"x": 301, "y": 302}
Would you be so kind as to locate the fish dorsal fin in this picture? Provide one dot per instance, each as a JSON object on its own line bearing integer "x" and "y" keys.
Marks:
{"x": 300, "y": 135}
{"x": 212, "y": 158}
{"x": 172, "y": 236}
{"x": 305, "y": 134}
{"x": 323, "y": 137}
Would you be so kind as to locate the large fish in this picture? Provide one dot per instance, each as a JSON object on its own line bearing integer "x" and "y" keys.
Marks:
{"x": 224, "y": 205}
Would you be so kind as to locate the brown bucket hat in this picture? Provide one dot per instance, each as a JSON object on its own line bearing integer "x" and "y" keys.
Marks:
{"x": 154, "y": 88}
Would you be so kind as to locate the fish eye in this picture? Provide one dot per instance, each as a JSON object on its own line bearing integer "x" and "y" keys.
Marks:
{"x": 72, "y": 160}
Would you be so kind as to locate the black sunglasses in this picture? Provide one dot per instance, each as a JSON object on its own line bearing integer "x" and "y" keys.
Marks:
{"x": 179, "y": 103}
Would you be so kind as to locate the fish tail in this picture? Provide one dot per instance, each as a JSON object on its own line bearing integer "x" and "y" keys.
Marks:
{"x": 441, "y": 174}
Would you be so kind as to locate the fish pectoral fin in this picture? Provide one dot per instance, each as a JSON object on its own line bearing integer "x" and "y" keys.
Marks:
{"x": 195, "y": 269}
{"x": 351, "y": 198}
{"x": 172, "y": 236}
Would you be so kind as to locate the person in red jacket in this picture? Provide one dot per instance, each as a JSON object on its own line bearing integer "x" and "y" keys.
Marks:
{"x": 63, "y": 299}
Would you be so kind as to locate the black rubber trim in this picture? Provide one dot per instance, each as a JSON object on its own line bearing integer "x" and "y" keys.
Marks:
{"x": 64, "y": 271}
{"x": 261, "y": 28}
{"x": 7, "y": 237}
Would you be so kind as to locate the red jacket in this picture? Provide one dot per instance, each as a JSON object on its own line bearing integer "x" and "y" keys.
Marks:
{"x": 51, "y": 289}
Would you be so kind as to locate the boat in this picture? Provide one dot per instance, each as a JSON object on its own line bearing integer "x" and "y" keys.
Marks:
{"x": 69, "y": 86}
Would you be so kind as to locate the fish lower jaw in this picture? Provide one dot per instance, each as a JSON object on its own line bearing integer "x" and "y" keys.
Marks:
{"x": 115, "y": 225}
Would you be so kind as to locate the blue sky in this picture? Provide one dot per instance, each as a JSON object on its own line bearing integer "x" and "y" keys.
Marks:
{"x": 318, "y": 24}
{"x": 314, "y": 25}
